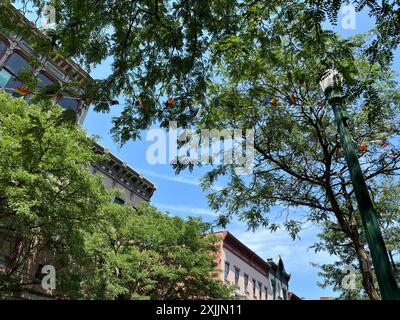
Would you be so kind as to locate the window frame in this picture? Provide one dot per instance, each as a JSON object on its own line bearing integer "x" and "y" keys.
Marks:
{"x": 9, "y": 79}
{"x": 284, "y": 293}
{"x": 66, "y": 96}
{"x": 226, "y": 270}
{"x": 246, "y": 282}
{"x": 7, "y": 45}
{"x": 24, "y": 56}
{"x": 15, "y": 77}
{"x": 237, "y": 275}
{"x": 46, "y": 74}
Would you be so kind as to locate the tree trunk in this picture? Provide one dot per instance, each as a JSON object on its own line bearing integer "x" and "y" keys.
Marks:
{"x": 350, "y": 229}
{"x": 392, "y": 261}
{"x": 365, "y": 267}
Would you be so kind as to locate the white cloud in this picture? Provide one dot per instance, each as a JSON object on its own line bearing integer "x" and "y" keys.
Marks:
{"x": 296, "y": 256}
{"x": 295, "y": 253}
{"x": 177, "y": 178}
{"x": 187, "y": 210}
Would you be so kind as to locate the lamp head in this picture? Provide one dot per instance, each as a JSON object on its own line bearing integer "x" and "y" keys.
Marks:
{"x": 331, "y": 84}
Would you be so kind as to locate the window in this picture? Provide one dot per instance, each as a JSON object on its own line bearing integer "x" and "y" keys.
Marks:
{"x": 44, "y": 81}
{"x": 278, "y": 291}
{"x": 237, "y": 274}
{"x": 246, "y": 282}
{"x": 119, "y": 201}
{"x": 266, "y": 293}
{"x": 254, "y": 287}
{"x": 260, "y": 288}
{"x": 284, "y": 294}
{"x": 226, "y": 271}
{"x": 16, "y": 63}
{"x": 68, "y": 103}
{"x": 273, "y": 285}
{"x": 5, "y": 78}
{"x": 9, "y": 74}
{"x": 3, "y": 47}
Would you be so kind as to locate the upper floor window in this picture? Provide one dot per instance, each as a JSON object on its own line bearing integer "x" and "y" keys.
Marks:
{"x": 226, "y": 271}
{"x": 5, "y": 78}
{"x": 246, "y": 282}
{"x": 273, "y": 285}
{"x": 3, "y": 47}
{"x": 260, "y": 290}
{"x": 266, "y": 293}
{"x": 237, "y": 274}
{"x": 284, "y": 294}
{"x": 16, "y": 63}
{"x": 44, "y": 81}
{"x": 68, "y": 103}
{"x": 278, "y": 289}
{"x": 9, "y": 74}
{"x": 254, "y": 287}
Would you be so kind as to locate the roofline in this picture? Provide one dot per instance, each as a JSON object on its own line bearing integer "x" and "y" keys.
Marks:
{"x": 228, "y": 238}
{"x": 37, "y": 32}
{"x": 124, "y": 164}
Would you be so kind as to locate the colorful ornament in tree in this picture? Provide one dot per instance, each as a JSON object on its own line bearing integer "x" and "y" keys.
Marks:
{"x": 385, "y": 145}
{"x": 363, "y": 148}
{"x": 274, "y": 101}
{"x": 267, "y": 101}
{"x": 169, "y": 103}
{"x": 393, "y": 154}
{"x": 291, "y": 99}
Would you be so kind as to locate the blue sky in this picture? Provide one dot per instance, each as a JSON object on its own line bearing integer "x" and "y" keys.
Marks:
{"x": 181, "y": 195}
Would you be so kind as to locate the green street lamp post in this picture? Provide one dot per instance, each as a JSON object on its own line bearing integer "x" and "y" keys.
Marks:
{"x": 331, "y": 84}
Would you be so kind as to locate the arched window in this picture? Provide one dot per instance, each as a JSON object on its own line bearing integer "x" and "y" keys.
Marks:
{"x": 12, "y": 68}
{"x": 16, "y": 63}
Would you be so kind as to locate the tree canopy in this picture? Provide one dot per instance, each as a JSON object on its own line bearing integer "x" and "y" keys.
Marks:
{"x": 145, "y": 254}
{"x": 299, "y": 160}
{"x": 229, "y": 57}
{"x": 54, "y": 210}
{"x": 164, "y": 49}
{"x": 48, "y": 196}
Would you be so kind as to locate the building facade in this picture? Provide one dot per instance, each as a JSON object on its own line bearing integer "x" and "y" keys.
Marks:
{"x": 253, "y": 277}
{"x": 17, "y": 56}
{"x": 279, "y": 280}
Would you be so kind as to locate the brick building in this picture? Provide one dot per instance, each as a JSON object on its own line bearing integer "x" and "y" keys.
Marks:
{"x": 254, "y": 278}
